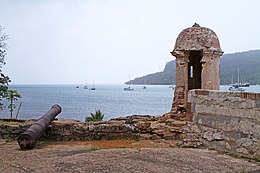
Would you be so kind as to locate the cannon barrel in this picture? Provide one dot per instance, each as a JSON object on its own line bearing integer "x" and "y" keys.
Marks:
{"x": 28, "y": 139}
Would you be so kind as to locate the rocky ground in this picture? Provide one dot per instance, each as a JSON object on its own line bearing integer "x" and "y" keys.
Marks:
{"x": 117, "y": 156}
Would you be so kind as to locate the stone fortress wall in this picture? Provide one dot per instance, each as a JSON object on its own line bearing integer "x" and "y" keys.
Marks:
{"x": 130, "y": 127}
{"x": 226, "y": 121}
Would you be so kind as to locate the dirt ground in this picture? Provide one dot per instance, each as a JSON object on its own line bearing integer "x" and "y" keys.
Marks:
{"x": 124, "y": 156}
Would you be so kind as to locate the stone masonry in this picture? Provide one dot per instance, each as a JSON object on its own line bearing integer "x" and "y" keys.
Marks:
{"x": 130, "y": 127}
{"x": 225, "y": 121}
{"x": 197, "y": 51}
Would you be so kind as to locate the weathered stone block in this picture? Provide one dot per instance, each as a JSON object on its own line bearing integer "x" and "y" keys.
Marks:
{"x": 244, "y": 142}
{"x": 257, "y": 102}
{"x": 228, "y": 147}
{"x": 195, "y": 129}
{"x": 157, "y": 125}
{"x": 143, "y": 125}
{"x": 242, "y": 150}
{"x": 246, "y": 126}
{"x": 175, "y": 123}
{"x": 234, "y": 135}
{"x": 211, "y": 136}
{"x": 226, "y": 111}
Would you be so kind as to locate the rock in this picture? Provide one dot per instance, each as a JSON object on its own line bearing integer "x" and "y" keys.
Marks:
{"x": 210, "y": 136}
{"x": 91, "y": 127}
{"x": 157, "y": 125}
{"x": 146, "y": 136}
{"x": 175, "y": 123}
{"x": 143, "y": 125}
{"x": 160, "y": 132}
{"x": 244, "y": 142}
{"x": 195, "y": 129}
{"x": 131, "y": 127}
{"x": 242, "y": 150}
{"x": 246, "y": 127}
{"x": 228, "y": 146}
{"x": 217, "y": 136}
{"x": 176, "y": 129}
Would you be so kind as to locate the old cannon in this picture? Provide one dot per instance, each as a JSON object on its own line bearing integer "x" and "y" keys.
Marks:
{"x": 28, "y": 139}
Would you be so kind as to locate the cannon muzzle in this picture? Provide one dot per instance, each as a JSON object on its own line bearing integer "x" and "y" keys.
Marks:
{"x": 28, "y": 139}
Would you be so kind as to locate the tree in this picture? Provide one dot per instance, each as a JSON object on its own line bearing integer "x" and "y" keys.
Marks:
{"x": 98, "y": 116}
{"x": 12, "y": 95}
{"x": 3, "y": 78}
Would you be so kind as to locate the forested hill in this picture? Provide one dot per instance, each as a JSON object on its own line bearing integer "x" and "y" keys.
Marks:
{"x": 247, "y": 62}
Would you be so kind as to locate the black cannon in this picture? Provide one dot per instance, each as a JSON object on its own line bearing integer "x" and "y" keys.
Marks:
{"x": 28, "y": 139}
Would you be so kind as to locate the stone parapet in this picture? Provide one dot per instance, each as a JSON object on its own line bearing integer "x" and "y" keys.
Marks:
{"x": 130, "y": 127}
{"x": 225, "y": 121}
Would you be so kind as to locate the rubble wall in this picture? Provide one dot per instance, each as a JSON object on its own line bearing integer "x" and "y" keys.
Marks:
{"x": 130, "y": 127}
{"x": 225, "y": 121}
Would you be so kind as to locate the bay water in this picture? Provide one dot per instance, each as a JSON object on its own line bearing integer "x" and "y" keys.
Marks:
{"x": 112, "y": 100}
{"x": 78, "y": 103}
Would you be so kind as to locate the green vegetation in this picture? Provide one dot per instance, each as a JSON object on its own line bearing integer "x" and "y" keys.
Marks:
{"x": 12, "y": 95}
{"x": 8, "y": 139}
{"x": 98, "y": 116}
{"x": 247, "y": 62}
{"x": 4, "y": 80}
{"x": 5, "y": 93}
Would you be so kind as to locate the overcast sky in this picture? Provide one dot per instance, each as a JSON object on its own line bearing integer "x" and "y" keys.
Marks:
{"x": 67, "y": 41}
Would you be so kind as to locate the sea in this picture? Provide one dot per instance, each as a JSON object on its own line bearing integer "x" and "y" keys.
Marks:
{"x": 111, "y": 100}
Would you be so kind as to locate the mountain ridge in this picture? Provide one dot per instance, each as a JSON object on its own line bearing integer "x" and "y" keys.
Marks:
{"x": 248, "y": 63}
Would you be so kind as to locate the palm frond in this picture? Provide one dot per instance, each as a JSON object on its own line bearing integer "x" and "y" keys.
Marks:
{"x": 98, "y": 116}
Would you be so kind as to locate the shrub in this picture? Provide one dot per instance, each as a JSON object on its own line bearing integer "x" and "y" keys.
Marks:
{"x": 98, "y": 116}
{"x": 12, "y": 95}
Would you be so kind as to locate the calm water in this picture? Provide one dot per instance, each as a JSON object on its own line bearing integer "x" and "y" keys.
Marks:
{"x": 112, "y": 100}
{"x": 77, "y": 103}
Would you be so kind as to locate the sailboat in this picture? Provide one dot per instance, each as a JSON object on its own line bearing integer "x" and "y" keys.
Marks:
{"x": 144, "y": 87}
{"x": 86, "y": 85}
{"x": 129, "y": 87}
{"x": 239, "y": 84}
{"x": 236, "y": 86}
{"x": 93, "y": 86}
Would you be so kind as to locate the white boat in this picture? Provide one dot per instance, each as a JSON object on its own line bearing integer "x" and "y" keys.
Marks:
{"x": 129, "y": 86}
{"x": 128, "y": 89}
{"x": 236, "y": 88}
{"x": 239, "y": 83}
